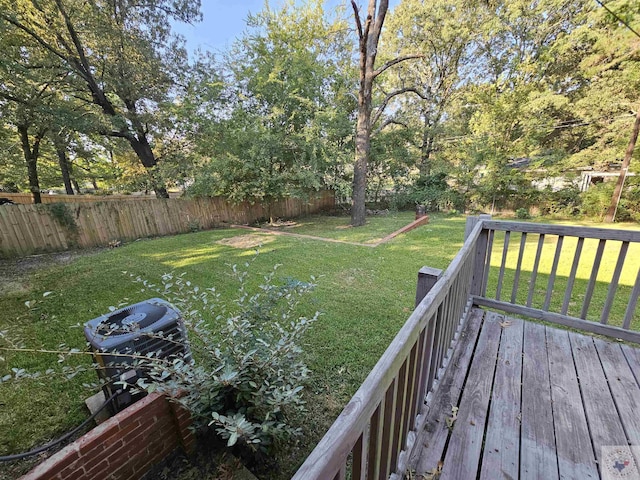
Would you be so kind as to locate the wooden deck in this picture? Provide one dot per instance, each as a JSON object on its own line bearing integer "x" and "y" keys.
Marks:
{"x": 533, "y": 402}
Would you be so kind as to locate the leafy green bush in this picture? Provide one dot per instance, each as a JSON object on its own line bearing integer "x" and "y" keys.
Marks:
{"x": 566, "y": 201}
{"x": 523, "y": 214}
{"x": 247, "y": 365}
{"x": 431, "y": 191}
{"x": 245, "y": 370}
{"x": 595, "y": 201}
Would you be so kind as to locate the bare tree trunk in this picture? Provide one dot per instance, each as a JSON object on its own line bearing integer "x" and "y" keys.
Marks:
{"x": 369, "y": 35}
{"x": 363, "y": 146}
{"x": 31, "y": 158}
{"x": 63, "y": 161}
{"x": 617, "y": 191}
{"x": 368, "y": 38}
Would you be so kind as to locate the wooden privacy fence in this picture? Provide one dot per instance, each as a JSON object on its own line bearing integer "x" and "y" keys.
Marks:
{"x": 27, "y": 198}
{"x": 27, "y": 229}
{"x": 375, "y": 434}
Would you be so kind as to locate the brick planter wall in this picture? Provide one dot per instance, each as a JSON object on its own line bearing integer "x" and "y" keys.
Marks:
{"x": 124, "y": 447}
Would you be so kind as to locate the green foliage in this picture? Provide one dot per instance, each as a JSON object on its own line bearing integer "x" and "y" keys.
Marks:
{"x": 285, "y": 127}
{"x": 431, "y": 191}
{"x": 565, "y": 202}
{"x": 595, "y": 201}
{"x": 62, "y": 213}
{"x": 248, "y": 370}
{"x": 523, "y": 214}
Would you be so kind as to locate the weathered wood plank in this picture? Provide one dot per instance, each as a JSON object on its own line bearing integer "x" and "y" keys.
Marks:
{"x": 576, "y": 459}
{"x": 578, "y": 323}
{"x": 516, "y": 279}
{"x": 487, "y": 264}
{"x": 592, "y": 279}
{"x": 375, "y": 443}
{"x": 465, "y": 445}
{"x": 623, "y": 385}
{"x": 430, "y": 444}
{"x": 501, "y": 457}
{"x": 359, "y": 465}
{"x": 604, "y": 422}
{"x": 613, "y": 285}
{"x": 568, "y": 231}
{"x": 552, "y": 275}
{"x": 503, "y": 263}
{"x": 534, "y": 270}
{"x": 572, "y": 276}
{"x": 633, "y": 301}
{"x": 633, "y": 359}
{"x": 538, "y": 457}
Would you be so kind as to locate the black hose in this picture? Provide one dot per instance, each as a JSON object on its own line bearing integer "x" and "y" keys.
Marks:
{"x": 35, "y": 451}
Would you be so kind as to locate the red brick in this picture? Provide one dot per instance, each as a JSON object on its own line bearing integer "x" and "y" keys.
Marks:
{"x": 97, "y": 436}
{"x": 116, "y": 448}
{"x": 98, "y": 471}
{"x": 73, "y": 471}
{"x": 54, "y": 464}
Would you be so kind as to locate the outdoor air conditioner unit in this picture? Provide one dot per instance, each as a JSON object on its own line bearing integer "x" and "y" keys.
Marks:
{"x": 150, "y": 327}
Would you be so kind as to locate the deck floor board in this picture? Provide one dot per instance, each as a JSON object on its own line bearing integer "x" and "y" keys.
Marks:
{"x": 537, "y": 402}
{"x": 502, "y": 439}
{"x": 465, "y": 444}
{"x": 538, "y": 458}
{"x": 433, "y": 437}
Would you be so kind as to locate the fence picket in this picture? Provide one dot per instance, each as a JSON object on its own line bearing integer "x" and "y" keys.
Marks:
{"x": 28, "y": 228}
{"x": 592, "y": 280}
{"x": 552, "y": 275}
{"x": 613, "y": 286}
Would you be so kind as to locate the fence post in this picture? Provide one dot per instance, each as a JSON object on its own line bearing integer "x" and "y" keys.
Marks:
{"x": 480, "y": 253}
{"x": 427, "y": 278}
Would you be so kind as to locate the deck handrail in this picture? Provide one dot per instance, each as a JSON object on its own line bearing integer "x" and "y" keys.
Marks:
{"x": 375, "y": 433}
{"x": 561, "y": 302}
{"x": 371, "y": 437}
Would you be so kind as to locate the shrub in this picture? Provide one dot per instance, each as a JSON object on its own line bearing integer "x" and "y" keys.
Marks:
{"x": 246, "y": 369}
{"x": 247, "y": 365}
{"x": 432, "y": 191}
{"x": 595, "y": 201}
{"x": 566, "y": 201}
{"x": 522, "y": 214}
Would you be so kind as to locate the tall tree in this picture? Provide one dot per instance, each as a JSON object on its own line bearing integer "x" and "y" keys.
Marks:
{"x": 280, "y": 126}
{"x": 369, "y": 30}
{"x": 120, "y": 57}
{"x": 443, "y": 31}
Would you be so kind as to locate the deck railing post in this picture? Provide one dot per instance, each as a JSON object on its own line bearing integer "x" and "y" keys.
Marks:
{"x": 481, "y": 253}
{"x": 427, "y": 278}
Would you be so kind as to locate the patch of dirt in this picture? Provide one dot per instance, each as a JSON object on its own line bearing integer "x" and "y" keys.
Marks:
{"x": 250, "y": 240}
{"x": 15, "y": 272}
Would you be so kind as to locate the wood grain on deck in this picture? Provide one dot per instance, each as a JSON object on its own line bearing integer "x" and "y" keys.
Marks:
{"x": 534, "y": 402}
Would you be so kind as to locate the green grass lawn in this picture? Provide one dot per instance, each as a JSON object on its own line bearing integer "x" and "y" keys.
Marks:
{"x": 364, "y": 294}
{"x": 337, "y": 228}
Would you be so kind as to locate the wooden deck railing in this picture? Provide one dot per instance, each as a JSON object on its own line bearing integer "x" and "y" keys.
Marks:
{"x": 374, "y": 435}
{"x": 584, "y": 278}
{"x": 371, "y": 437}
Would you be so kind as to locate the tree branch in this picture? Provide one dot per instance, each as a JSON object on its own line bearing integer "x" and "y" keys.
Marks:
{"x": 395, "y": 61}
{"x": 33, "y": 35}
{"x": 356, "y": 14}
{"x": 388, "y": 122}
{"x": 388, "y": 98}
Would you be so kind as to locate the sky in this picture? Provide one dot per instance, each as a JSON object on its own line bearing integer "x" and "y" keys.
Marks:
{"x": 224, "y": 20}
